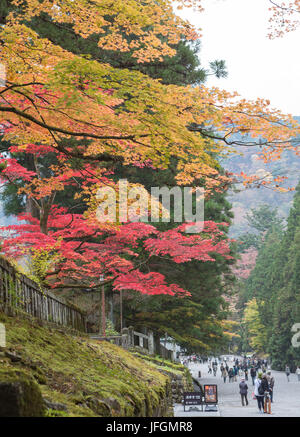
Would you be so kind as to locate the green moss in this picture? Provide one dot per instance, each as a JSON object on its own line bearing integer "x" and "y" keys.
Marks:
{"x": 55, "y": 413}
{"x": 19, "y": 394}
{"x": 169, "y": 368}
{"x": 91, "y": 378}
{"x": 159, "y": 363}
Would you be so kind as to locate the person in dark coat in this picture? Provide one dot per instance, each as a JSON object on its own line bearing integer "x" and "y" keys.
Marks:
{"x": 224, "y": 374}
{"x": 253, "y": 374}
{"x": 266, "y": 388}
{"x": 271, "y": 382}
{"x": 265, "y": 383}
{"x": 235, "y": 372}
{"x": 243, "y": 391}
{"x": 287, "y": 372}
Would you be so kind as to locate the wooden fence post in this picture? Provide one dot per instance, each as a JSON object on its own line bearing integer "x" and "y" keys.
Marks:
{"x": 16, "y": 290}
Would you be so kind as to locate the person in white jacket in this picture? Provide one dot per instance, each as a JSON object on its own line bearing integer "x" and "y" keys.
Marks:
{"x": 298, "y": 372}
{"x": 259, "y": 397}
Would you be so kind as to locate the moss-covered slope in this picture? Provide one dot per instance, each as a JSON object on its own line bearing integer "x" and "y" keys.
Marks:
{"x": 90, "y": 378}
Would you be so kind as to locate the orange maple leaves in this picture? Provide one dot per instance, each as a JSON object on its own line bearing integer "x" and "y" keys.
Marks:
{"x": 55, "y": 99}
{"x": 285, "y": 17}
{"x": 144, "y": 22}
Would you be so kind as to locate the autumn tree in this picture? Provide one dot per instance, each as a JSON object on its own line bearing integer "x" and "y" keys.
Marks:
{"x": 196, "y": 323}
{"x": 218, "y": 109}
{"x": 256, "y": 329}
{"x": 91, "y": 115}
{"x": 284, "y": 18}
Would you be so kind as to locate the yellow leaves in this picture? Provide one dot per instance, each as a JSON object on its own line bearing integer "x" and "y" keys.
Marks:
{"x": 285, "y": 190}
{"x": 196, "y": 4}
{"x": 111, "y": 20}
{"x": 125, "y": 114}
{"x": 26, "y": 55}
{"x": 41, "y": 261}
{"x": 116, "y": 42}
{"x": 229, "y": 323}
{"x": 41, "y": 188}
{"x": 256, "y": 329}
{"x": 231, "y": 335}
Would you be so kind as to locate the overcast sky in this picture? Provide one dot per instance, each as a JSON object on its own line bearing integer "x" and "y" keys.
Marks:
{"x": 236, "y": 31}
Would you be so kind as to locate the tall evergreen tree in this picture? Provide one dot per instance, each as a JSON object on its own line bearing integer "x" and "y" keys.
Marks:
{"x": 275, "y": 284}
{"x": 287, "y": 301}
{"x": 261, "y": 220}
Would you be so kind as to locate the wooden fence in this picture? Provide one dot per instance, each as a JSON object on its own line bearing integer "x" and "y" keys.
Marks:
{"x": 18, "y": 291}
{"x": 145, "y": 342}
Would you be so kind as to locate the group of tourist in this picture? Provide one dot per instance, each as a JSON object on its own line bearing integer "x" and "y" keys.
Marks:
{"x": 263, "y": 391}
{"x": 241, "y": 368}
{"x": 185, "y": 360}
{"x": 261, "y": 377}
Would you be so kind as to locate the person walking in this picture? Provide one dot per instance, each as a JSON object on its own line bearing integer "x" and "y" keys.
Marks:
{"x": 215, "y": 369}
{"x": 224, "y": 374}
{"x": 253, "y": 375}
{"x": 230, "y": 374}
{"x": 298, "y": 372}
{"x": 235, "y": 372}
{"x": 266, "y": 390}
{"x": 243, "y": 391}
{"x": 259, "y": 392}
{"x": 287, "y": 372}
{"x": 271, "y": 382}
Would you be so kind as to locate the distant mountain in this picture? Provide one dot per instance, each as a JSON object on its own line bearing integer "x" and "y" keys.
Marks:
{"x": 246, "y": 160}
